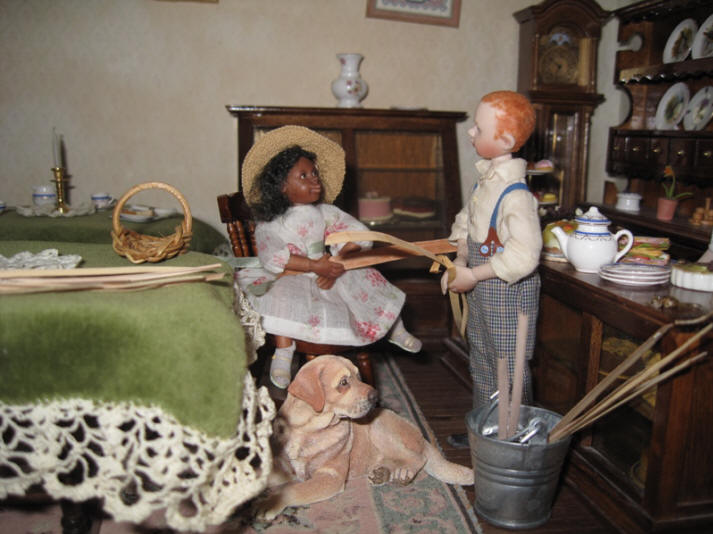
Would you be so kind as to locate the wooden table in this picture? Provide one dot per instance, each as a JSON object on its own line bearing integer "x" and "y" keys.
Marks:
{"x": 99, "y": 389}
{"x": 96, "y": 228}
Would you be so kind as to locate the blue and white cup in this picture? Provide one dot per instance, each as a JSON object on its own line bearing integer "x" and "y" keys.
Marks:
{"x": 102, "y": 200}
{"x": 43, "y": 195}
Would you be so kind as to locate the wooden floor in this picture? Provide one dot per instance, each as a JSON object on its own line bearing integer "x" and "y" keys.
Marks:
{"x": 445, "y": 400}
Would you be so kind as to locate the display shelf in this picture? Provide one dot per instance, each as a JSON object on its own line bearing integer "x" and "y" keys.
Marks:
{"x": 666, "y": 72}
{"x": 688, "y": 241}
{"x": 637, "y": 149}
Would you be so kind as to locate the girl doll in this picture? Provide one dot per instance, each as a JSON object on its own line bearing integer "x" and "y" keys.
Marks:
{"x": 290, "y": 177}
{"x": 499, "y": 241}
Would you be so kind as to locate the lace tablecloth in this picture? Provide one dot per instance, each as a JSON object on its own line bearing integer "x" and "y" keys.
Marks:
{"x": 141, "y": 399}
{"x": 137, "y": 459}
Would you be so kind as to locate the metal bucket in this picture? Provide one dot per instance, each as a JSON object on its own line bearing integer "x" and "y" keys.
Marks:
{"x": 515, "y": 483}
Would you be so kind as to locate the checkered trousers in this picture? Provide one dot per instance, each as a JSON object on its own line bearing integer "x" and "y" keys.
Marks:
{"x": 493, "y": 306}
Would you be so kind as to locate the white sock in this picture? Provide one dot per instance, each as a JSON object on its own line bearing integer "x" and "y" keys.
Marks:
{"x": 281, "y": 365}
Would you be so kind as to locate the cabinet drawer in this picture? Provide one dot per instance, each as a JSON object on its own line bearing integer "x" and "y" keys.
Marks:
{"x": 704, "y": 154}
{"x": 681, "y": 152}
{"x": 658, "y": 150}
{"x": 637, "y": 149}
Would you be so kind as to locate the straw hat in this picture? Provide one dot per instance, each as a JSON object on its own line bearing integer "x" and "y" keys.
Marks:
{"x": 330, "y": 159}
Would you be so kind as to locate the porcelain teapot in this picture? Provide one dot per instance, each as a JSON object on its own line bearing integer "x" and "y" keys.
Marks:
{"x": 592, "y": 245}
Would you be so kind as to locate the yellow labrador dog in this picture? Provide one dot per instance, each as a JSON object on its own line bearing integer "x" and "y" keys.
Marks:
{"x": 326, "y": 435}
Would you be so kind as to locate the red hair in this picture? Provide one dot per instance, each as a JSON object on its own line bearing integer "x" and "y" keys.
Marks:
{"x": 517, "y": 116}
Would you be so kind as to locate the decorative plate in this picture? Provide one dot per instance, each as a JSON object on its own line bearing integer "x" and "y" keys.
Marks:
{"x": 635, "y": 275}
{"x": 635, "y": 270}
{"x": 680, "y": 41}
{"x": 703, "y": 42}
{"x": 699, "y": 110}
{"x": 109, "y": 206}
{"x": 634, "y": 281}
{"x": 672, "y": 107}
{"x": 145, "y": 213}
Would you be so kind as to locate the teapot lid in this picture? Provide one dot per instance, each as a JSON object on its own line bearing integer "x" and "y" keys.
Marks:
{"x": 593, "y": 217}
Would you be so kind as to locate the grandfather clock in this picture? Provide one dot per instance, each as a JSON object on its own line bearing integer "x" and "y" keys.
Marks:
{"x": 557, "y": 71}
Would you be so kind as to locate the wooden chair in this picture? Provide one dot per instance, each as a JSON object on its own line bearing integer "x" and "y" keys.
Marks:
{"x": 235, "y": 213}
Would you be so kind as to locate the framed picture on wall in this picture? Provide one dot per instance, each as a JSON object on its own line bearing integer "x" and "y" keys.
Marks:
{"x": 441, "y": 12}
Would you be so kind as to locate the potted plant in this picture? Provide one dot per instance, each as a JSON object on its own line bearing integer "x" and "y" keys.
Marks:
{"x": 667, "y": 204}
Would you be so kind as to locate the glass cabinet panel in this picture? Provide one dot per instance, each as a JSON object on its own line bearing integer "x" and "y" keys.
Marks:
{"x": 623, "y": 435}
{"x": 557, "y": 368}
{"x": 400, "y": 175}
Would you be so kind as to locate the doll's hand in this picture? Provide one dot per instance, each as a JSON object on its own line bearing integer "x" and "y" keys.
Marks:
{"x": 326, "y": 268}
{"x": 325, "y": 283}
{"x": 464, "y": 280}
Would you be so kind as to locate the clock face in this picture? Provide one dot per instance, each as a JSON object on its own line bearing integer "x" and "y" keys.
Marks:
{"x": 558, "y": 58}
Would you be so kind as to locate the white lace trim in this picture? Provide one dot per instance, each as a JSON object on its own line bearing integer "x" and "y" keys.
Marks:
{"x": 46, "y": 259}
{"x": 251, "y": 321}
{"x": 50, "y": 210}
{"x": 137, "y": 459}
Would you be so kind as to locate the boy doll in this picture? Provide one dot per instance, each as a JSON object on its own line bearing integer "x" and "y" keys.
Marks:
{"x": 499, "y": 241}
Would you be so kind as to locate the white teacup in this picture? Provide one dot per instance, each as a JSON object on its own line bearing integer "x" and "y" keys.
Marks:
{"x": 43, "y": 195}
{"x": 102, "y": 200}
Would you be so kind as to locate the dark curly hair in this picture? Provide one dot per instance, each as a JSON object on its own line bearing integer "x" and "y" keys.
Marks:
{"x": 268, "y": 184}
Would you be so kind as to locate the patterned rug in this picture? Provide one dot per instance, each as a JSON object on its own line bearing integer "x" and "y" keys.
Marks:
{"x": 425, "y": 506}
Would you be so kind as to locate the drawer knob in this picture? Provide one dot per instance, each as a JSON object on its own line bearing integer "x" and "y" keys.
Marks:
{"x": 635, "y": 149}
{"x": 656, "y": 150}
{"x": 707, "y": 154}
{"x": 681, "y": 153}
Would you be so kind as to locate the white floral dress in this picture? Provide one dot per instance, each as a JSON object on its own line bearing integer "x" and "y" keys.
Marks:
{"x": 358, "y": 309}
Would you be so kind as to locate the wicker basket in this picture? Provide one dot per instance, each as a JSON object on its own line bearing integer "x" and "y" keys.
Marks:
{"x": 138, "y": 248}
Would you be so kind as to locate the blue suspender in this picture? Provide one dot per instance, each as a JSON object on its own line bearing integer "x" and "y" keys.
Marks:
{"x": 511, "y": 187}
{"x": 492, "y": 244}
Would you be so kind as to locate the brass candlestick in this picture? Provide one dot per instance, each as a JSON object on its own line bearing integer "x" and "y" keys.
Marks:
{"x": 59, "y": 184}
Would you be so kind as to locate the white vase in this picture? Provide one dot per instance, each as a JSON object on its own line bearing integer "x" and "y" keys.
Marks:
{"x": 349, "y": 89}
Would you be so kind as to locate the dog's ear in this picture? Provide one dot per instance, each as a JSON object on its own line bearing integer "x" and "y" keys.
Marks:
{"x": 307, "y": 386}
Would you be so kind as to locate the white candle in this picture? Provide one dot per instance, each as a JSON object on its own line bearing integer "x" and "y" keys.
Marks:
{"x": 55, "y": 147}
{"x": 62, "y": 153}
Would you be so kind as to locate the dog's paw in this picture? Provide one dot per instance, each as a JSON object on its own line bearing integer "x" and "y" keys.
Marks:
{"x": 403, "y": 476}
{"x": 269, "y": 507}
{"x": 379, "y": 476}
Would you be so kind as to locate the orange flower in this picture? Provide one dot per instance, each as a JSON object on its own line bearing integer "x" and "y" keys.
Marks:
{"x": 670, "y": 189}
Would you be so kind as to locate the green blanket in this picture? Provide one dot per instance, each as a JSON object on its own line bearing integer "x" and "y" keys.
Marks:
{"x": 179, "y": 347}
{"x": 96, "y": 228}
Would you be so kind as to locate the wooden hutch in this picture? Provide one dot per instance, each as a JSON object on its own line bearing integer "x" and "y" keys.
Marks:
{"x": 648, "y": 466}
{"x": 638, "y": 150}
